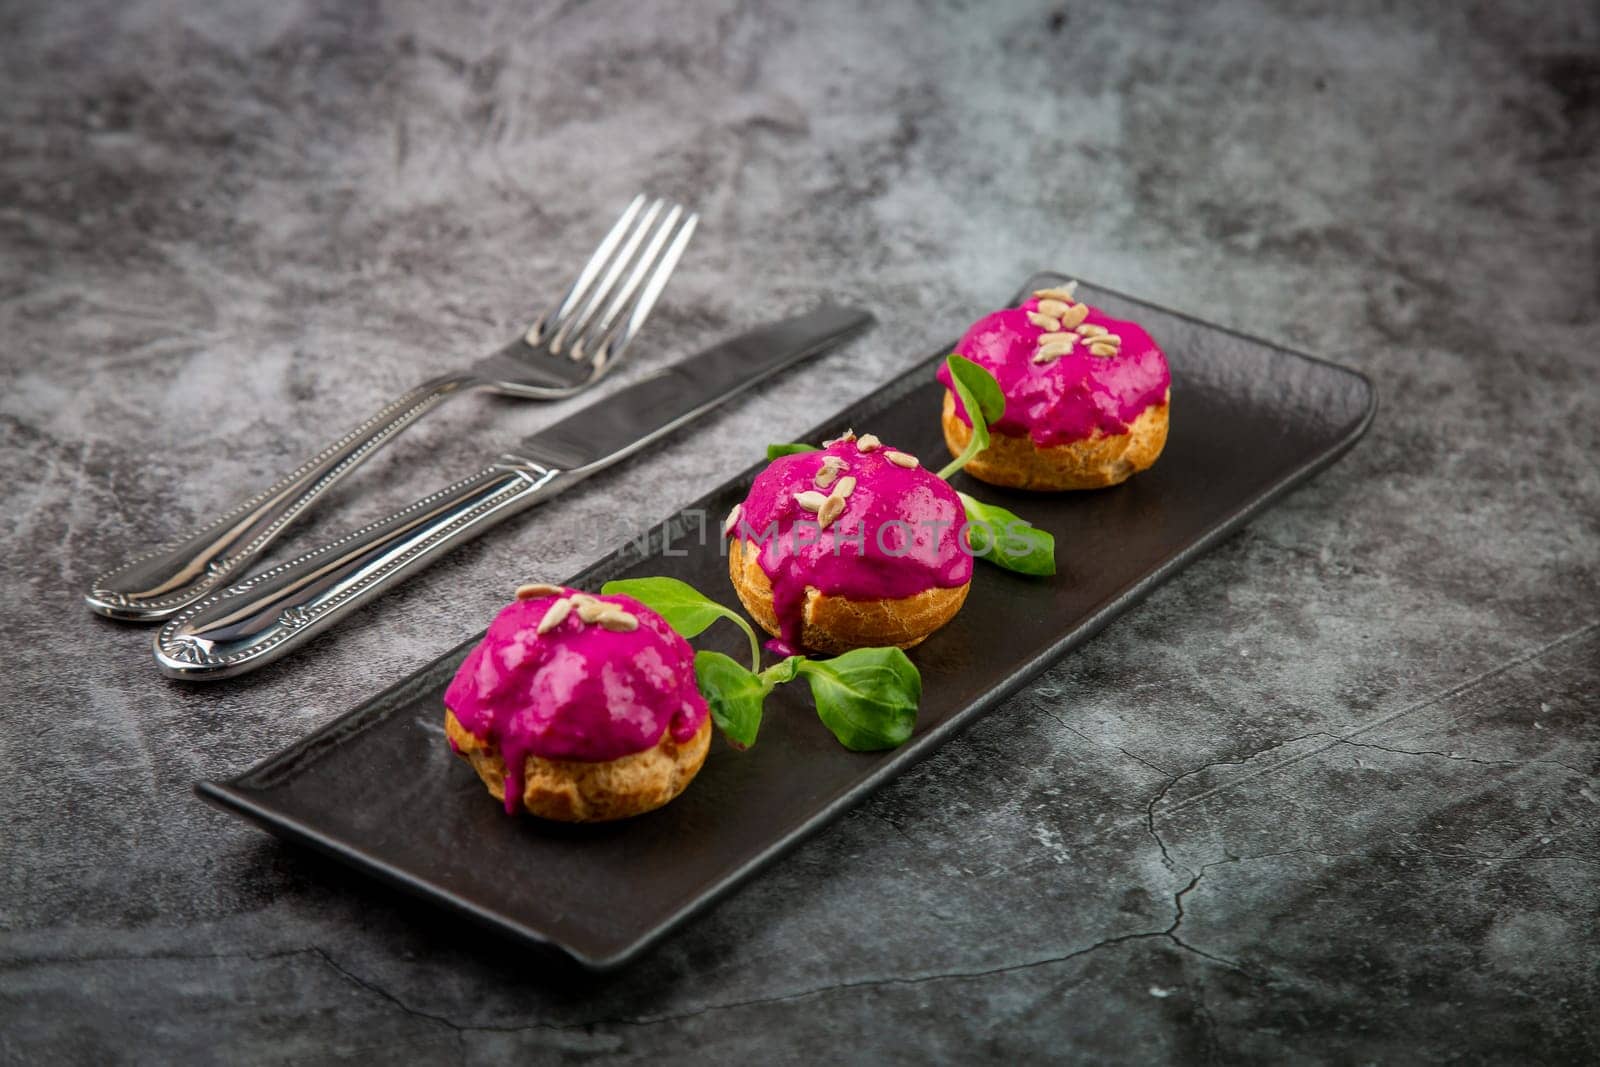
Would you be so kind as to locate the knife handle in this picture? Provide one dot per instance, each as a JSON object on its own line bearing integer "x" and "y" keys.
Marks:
{"x": 254, "y": 622}
{"x": 161, "y": 584}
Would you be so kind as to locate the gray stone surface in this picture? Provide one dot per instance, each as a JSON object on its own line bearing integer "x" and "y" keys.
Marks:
{"x": 1329, "y": 796}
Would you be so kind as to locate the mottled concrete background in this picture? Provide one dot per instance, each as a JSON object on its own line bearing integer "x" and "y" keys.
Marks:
{"x": 1331, "y": 795}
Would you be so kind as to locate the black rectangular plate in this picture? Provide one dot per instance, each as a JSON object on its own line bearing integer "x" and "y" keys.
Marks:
{"x": 1249, "y": 421}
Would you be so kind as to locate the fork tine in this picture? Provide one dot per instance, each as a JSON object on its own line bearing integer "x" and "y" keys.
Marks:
{"x": 576, "y": 324}
{"x": 624, "y": 296}
{"x": 614, "y": 341}
{"x": 569, "y": 303}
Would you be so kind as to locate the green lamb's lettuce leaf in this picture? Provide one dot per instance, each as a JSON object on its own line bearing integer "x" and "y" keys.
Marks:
{"x": 783, "y": 671}
{"x": 868, "y": 697}
{"x": 1007, "y": 540}
{"x": 735, "y": 696}
{"x": 982, "y": 400}
{"x": 774, "y": 451}
{"x": 993, "y": 533}
{"x": 686, "y": 609}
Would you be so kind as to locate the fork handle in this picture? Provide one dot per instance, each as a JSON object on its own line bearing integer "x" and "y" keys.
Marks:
{"x": 254, "y": 622}
{"x": 160, "y": 584}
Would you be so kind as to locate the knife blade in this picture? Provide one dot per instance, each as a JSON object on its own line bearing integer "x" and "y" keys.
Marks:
{"x": 620, "y": 425}
{"x": 263, "y": 618}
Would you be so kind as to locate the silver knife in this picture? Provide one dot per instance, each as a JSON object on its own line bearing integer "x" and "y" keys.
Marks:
{"x": 256, "y": 621}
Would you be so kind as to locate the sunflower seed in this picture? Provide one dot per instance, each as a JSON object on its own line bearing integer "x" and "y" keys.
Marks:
{"x": 1044, "y": 322}
{"x": 538, "y": 589}
{"x": 554, "y": 617}
{"x": 831, "y": 509}
{"x": 1074, "y": 316}
{"x": 901, "y": 459}
{"x": 1066, "y": 292}
{"x": 1050, "y": 338}
{"x": 1054, "y": 308}
{"x": 845, "y": 487}
{"x": 619, "y": 621}
{"x": 810, "y": 500}
{"x": 1102, "y": 350}
{"x": 869, "y": 443}
{"x": 732, "y": 520}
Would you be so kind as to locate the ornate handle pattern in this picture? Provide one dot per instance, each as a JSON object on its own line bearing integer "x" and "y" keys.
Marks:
{"x": 254, "y": 622}
{"x": 160, "y": 584}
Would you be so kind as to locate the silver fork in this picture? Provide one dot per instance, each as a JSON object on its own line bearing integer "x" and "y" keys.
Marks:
{"x": 565, "y": 351}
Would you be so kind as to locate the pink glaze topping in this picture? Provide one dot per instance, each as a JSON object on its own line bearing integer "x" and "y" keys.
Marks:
{"x": 578, "y": 692}
{"x": 900, "y": 532}
{"x": 1069, "y": 398}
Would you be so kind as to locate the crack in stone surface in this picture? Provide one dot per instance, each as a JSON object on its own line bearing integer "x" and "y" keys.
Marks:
{"x": 1178, "y": 916}
{"x": 1350, "y": 739}
{"x": 1172, "y": 780}
{"x": 367, "y": 985}
{"x": 1456, "y": 690}
{"x": 1458, "y": 758}
{"x": 1073, "y": 730}
{"x": 1140, "y": 759}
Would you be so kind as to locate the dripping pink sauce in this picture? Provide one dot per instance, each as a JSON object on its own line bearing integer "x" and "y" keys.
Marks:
{"x": 1071, "y": 398}
{"x": 580, "y": 692}
{"x": 899, "y": 534}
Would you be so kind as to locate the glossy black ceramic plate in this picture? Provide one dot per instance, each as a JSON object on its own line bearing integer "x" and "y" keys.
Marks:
{"x": 1249, "y": 422}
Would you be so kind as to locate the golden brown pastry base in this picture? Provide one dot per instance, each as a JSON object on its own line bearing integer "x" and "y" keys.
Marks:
{"x": 585, "y": 791}
{"x": 839, "y": 624}
{"x": 1099, "y": 461}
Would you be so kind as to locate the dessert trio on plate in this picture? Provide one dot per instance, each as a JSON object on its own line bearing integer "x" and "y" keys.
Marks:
{"x": 583, "y": 708}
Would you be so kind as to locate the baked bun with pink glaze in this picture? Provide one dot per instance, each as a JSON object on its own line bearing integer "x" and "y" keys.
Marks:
{"x": 580, "y": 708}
{"x": 1086, "y": 396}
{"x": 852, "y": 546}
